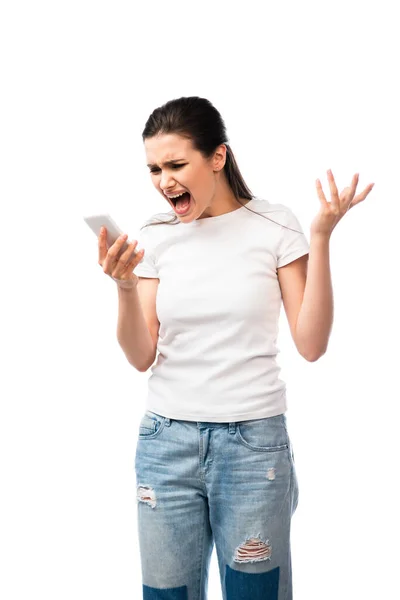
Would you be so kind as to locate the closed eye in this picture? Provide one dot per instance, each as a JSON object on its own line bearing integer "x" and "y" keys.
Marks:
{"x": 154, "y": 170}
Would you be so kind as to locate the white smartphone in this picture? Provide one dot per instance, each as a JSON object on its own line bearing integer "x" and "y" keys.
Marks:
{"x": 95, "y": 223}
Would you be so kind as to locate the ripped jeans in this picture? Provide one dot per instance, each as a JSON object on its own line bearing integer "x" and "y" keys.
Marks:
{"x": 232, "y": 484}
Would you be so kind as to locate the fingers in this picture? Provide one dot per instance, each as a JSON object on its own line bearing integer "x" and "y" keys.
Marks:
{"x": 320, "y": 193}
{"x": 333, "y": 187}
{"x": 360, "y": 197}
{"x": 126, "y": 256}
{"x": 112, "y": 261}
{"x": 113, "y": 251}
{"x": 127, "y": 262}
{"x": 102, "y": 242}
{"x": 354, "y": 183}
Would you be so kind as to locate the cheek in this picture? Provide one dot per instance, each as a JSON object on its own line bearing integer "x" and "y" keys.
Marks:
{"x": 203, "y": 183}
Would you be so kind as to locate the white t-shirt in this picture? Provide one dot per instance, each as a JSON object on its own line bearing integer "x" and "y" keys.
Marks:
{"x": 218, "y": 304}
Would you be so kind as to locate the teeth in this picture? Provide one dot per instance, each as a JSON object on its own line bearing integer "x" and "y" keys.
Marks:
{"x": 177, "y": 196}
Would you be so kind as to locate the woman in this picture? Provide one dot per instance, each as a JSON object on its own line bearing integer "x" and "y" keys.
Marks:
{"x": 214, "y": 461}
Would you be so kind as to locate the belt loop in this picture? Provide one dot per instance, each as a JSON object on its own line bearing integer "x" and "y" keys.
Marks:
{"x": 167, "y": 421}
{"x": 232, "y": 427}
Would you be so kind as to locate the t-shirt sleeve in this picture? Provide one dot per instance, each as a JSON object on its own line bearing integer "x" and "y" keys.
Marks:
{"x": 148, "y": 265}
{"x": 292, "y": 245}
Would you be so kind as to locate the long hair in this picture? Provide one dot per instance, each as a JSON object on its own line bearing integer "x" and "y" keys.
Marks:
{"x": 198, "y": 120}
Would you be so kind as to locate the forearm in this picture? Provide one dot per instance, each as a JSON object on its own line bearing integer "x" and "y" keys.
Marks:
{"x": 314, "y": 322}
{"x": 132, "y": 332}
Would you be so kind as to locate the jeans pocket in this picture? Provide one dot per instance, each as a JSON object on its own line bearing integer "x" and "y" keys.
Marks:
{"x": 295, "y": 484}
{"x": 264, "y": 435}
{"x": 151, "y": 425}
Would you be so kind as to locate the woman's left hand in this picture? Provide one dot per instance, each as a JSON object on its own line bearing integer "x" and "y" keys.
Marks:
{"x": 331, "y": 212}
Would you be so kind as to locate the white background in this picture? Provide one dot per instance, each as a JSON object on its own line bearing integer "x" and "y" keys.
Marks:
{"x": 302, "y": 87}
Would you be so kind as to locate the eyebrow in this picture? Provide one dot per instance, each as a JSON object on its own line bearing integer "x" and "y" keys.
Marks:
{"x": 168, "y": 162}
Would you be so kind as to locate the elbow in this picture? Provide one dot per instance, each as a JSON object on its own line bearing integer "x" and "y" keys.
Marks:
{"x": 141, "y": 368}
{"x": 310, "y": 354}
{"x": 313, "y": 356}
{"x": 145, "y": 366}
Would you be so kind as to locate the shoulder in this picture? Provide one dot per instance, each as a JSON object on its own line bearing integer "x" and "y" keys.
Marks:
{"x": 283, "y": 214}
{"x": 157, "y": 218}
{"x": 155, "y": 227}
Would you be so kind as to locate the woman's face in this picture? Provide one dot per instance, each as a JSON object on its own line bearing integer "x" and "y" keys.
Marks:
{"x": 176, "y": 167}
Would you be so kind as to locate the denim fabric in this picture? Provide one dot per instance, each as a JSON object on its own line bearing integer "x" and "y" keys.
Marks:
{"x": 232, "y": 484}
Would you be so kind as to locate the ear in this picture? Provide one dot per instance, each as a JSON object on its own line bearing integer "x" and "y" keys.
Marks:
{"x": 219, "y": 158}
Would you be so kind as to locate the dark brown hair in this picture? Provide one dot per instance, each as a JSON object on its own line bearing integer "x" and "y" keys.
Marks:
{"x": 198, "y": 120}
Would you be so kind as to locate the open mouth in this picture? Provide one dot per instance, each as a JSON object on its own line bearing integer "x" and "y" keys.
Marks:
{"x": 183, "y": 196}
{"x": 182, "y": 203}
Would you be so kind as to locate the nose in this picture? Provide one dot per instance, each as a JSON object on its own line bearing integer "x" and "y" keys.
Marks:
{"x": 166, "y": 181}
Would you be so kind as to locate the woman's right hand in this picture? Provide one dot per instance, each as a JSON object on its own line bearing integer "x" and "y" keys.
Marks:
{"x": 119, "y": 268}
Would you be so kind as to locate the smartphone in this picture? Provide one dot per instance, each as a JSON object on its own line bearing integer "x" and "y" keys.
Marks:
{"x": 95, "y": 223}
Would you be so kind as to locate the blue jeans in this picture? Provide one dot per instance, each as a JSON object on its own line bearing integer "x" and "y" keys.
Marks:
{"x": 232, "y": 484}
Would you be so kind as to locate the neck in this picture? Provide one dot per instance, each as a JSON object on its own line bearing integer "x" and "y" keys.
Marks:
{"x": 223, "y": 201}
